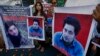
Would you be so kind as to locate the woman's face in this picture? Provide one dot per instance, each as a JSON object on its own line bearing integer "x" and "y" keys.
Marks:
{"x": 13, "y": 30}
{"x": 38, "y": 7}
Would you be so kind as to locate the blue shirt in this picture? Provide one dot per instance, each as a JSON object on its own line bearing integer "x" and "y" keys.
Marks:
{"x": 74, "y": 49}
{"x": 35, "y": 32}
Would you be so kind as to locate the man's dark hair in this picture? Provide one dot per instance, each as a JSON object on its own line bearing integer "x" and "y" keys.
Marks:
{"x": 36, "y": 20}
{"x": 8, "y": 24}
{"x": 74, "y": 22}
{"x": 14, "y": 39}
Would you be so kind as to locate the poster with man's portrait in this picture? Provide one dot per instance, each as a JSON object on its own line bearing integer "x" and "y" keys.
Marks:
{"x": 72, "y": 29}
{"x": 36, "y": 28}
{"x": 14, "y": 27}
{"x": 15, "y": 32}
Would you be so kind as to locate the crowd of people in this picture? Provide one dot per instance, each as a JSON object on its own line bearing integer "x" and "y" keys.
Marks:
{"x": 65, "y": 39}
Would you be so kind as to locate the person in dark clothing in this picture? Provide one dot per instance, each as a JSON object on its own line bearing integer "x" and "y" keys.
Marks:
{"x": 39, "y": 12}
{"x": 93, "y": 50}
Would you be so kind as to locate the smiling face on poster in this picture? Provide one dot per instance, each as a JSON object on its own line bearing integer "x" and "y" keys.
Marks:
{"x": 71, "y": 34}
{"x": 36, "y": 28}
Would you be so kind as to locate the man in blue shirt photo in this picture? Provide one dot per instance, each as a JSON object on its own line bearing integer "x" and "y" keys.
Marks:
{"x": 66, "y": 41}
{"x": 35, "y": 30}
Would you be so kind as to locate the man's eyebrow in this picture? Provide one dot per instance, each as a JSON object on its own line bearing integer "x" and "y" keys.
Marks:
{"x": 70, "y": 31}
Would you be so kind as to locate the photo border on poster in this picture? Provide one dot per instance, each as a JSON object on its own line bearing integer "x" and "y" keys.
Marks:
{"x": 43, "y": 39}
{"x": 6, "y": 41}
{"x": 76, "y": 10}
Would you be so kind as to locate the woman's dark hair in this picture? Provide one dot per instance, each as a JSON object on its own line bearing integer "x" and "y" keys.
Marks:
{"x": 42, "y": 12}
{"x": 74, "y": 22}
{"x": 36, "y": 11}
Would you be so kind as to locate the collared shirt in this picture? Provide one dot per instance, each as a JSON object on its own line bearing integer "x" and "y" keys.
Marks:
{"x": 74, "y": 49}
{"x": 35, "y": 32}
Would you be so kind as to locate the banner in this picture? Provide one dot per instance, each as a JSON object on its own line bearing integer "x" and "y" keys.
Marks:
{"x": 15, "y": 27}
{"x": 73, "y": 31}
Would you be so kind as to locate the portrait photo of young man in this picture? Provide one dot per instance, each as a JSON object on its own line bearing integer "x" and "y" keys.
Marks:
{"x": 66, "y": 39}
{"x": 15, "y": 33}
{"x": 35, "y": 28}
{"x": 71, "y": 30}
